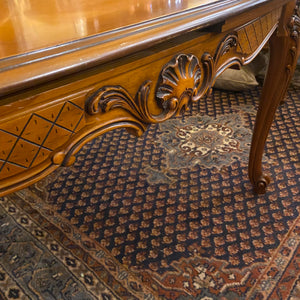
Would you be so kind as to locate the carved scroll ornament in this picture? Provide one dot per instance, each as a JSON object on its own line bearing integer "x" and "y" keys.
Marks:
{"x": 182, "y": 81}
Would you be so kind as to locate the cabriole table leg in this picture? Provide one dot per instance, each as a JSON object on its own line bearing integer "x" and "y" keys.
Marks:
{"x": 284, "y": 51}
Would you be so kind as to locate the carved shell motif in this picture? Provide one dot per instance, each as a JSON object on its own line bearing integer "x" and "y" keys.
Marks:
{"x": 179, "y": 83}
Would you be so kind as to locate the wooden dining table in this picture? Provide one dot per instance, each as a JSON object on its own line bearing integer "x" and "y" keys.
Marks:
{"x": 71, "y": 70}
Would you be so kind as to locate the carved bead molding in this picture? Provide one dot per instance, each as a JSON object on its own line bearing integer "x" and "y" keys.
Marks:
{"x": 294, "y": 27}
{"x": 182, "y": 80}
{"x": 295, "y": 23}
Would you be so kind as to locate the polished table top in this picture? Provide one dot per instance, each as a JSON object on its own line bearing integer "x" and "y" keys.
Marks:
{"x": 42, "y": 40}
{"x": 27, "y": 25}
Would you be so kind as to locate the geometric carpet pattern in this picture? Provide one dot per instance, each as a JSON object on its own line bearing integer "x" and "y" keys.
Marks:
{"x": 169, "y": 215}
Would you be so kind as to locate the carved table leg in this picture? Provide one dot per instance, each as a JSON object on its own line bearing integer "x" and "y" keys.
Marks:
{"x": 284, "y": 51}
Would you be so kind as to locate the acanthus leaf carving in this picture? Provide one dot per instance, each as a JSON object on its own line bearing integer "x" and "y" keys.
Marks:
{"x": 110, "y": 97}
{"x": 230, "y": 42}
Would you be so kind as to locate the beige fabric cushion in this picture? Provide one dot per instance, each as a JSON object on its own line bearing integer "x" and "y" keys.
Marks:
{"x": 236, "y": 80}
{"x": 245, "y": 78}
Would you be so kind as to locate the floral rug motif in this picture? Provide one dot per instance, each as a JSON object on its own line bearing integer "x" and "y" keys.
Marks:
{"x": 201, "y": 140}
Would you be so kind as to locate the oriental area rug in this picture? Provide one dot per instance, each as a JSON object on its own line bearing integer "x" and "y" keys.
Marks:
{"x": 169, "y": 215}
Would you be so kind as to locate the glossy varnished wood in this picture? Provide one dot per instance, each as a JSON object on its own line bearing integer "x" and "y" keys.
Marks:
{"x": 47, "y": 55}
{"x": 62, "y": 90}
{"x": 30, "y": 25}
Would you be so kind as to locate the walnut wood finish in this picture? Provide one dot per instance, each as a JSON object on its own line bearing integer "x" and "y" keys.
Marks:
{"x": 59, "y": 91}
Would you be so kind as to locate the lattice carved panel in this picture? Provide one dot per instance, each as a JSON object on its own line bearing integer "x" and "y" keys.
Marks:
{"x": 30, "y": 140}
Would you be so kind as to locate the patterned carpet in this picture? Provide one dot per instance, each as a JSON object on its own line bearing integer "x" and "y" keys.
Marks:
{"x": 170, "y": 215}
